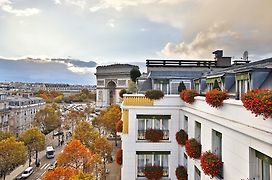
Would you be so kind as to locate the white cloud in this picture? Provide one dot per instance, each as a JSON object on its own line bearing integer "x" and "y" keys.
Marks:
{"x": 78, "y": 3}
{"x": 58, "y": 2}
{"x": 6, "y": 5}
{"x": 111, "y": 23}
{"x": 203, "y": 43}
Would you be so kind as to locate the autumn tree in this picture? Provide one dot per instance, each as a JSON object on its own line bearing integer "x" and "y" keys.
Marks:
{"x": 87, "y": 110}
{"x": 85, "y": 133}
{"x": 98, "y": 121}
{"x": 12, "y": 154}
{"x": 5, "y": 135}
{"x": 104, "y": 149}
{"x": 73, "y": 117}
{"x": 61, "y": 173}
{"x": 48, "y": 118}
{"x": 75, "y": 155}
{"x": 34, "y": 140}
{"x": 82, "y": 176}
{"x": 110, "y": 118}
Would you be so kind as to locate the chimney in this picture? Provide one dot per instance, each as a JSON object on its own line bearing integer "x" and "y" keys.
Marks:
{"x": 220, "y": 60}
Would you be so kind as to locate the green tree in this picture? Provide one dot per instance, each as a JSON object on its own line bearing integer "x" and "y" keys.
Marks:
{"x": 85, "y": 133}
{"x": 48, "y": 119}
{"x": 12, "y": 154}
{"x": 181, "y": 87}
{"x": 34, "y": 140}
{"x": 216, "y": 85}
{"x": 132, "y": 88}
{"x": 135, "y": 73}
{"x": 122, "y": 92}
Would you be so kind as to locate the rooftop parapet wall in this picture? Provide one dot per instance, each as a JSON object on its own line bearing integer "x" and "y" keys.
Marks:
{"x": 141, "y": 100}
{"x": 234, "y": 116}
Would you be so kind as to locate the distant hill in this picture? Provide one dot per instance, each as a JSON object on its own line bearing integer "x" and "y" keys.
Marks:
{"x": 49, "y": 71}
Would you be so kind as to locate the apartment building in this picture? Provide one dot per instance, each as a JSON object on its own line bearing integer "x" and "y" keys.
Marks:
{"x": 4, "y": 112}
{"x": 242, "y": 141}
{"x": 23, "y": 110}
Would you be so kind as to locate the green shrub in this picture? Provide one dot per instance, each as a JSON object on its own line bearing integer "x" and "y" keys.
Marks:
{"x": 154, "y": 94}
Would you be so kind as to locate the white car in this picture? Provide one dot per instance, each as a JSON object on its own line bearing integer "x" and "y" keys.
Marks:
{"x": 27, "y": 172}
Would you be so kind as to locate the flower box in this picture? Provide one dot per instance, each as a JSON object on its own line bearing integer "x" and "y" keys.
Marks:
{"x": 216, "y": 97}
{"x": 210, "y": 164}
{"x": 154, "y": 94}
{"x": 259, "y": 102}
{"x": 188, "y": 95}
{"x": 181, "y": 137}
{"x": 154, "y": 135}
{"x": 119, "y": 156}
{"x": 153, "y": 172}
{"x": 181, "y": 173}
{"x": 193, "y": 148}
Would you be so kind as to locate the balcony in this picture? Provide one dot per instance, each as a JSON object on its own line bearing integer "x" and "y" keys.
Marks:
{"x": 140, "y": 171}
{"x": 141, "y": 134}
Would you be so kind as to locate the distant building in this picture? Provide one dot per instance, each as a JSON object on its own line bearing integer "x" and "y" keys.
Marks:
{"x": 242, "y": 141}
{"x": 23, "y": 110}
{"x": 4, "y": 112}
{"x": 110, "y": 80}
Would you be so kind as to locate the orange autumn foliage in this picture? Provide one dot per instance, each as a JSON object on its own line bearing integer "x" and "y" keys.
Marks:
{"x": 63, "y": 173}
{"x": 75, "y": 155}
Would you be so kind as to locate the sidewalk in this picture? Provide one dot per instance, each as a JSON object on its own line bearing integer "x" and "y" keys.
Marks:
{"x": 115, "y": 169}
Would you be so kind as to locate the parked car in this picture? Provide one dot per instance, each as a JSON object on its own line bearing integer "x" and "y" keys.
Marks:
{"x": 27, "y": 172}
{"x": 52, "y": 165}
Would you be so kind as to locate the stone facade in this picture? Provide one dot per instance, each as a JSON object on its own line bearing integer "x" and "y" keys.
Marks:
{"x": 110, "y": 80}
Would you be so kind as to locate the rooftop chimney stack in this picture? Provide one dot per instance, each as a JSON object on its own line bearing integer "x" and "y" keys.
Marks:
{"x": 220, "y": 60}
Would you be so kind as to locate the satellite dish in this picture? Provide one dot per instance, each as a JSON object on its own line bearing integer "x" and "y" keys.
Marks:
{"x": 245, "y": 56}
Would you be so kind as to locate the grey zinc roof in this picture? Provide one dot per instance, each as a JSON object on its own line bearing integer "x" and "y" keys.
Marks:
{"x": 146, "y": 85}
{"x": 174, "y": 74}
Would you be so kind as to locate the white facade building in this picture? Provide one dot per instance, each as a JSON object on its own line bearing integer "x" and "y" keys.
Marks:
{"x": 4, "y": 112}
{"x": 242, "y": 141}
{"x": 240, "y": 137}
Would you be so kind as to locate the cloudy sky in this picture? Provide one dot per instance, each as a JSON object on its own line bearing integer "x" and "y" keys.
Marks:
{"x": 107, "y": 31}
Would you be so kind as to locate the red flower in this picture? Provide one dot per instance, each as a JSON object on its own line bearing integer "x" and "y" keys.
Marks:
{"x": 119, "y": 156}
{"x": 181, "y": 173}
{"x": 153, "y": 172}
{"x": 216, "y": 97}
{"x": 181, "y": 137}
{"x": 210, "y": 164}
{"x": 193, "y": 148}
{"x": 259, "y": 102}
{"x": 154, "y": 135}
{"x": 188, "y": 95}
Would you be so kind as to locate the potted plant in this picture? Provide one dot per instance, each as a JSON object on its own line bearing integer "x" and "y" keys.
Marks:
{"x": 210, "y": 164}
{"x": 154, "y": 94}
{"x": 119, "y": 156}
{"x": 188, "y": 95}
{"x": 193, "y": 148}
{"x": 154, "y": 135}
{"x": 216, "y": 97}
{"x": 153, "y": 172}
{"x": 259, "y": 102}
{"x": 119, "y": 126}
{"x": 181, "y": 137}
{"x": 122, "y": 92}
{"x": 181, "y": 173}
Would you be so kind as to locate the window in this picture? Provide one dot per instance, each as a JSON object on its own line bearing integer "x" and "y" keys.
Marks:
{"x": 185, "y": 161}
{"x": 185, "y": 126}
{"x": 150, "y": 159}
{"x": 260, "y": 165}
{"x": 162, "y": 84}
{"x": 198, "y": 131}
{"x": 217, "y": 143}
{"x": 153, "y": 122}
{"x": 197, "y": 174}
